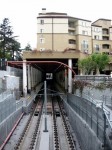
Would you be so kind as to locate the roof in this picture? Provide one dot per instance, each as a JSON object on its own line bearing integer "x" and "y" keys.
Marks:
{"x": 101, "y": 19}
{"x": 79, "y": 19}
{"x": 53, "y": 13}
{"x": 58, "y": 15}
{"x": 96, "y": 25}
{"x": 52, "y": 17}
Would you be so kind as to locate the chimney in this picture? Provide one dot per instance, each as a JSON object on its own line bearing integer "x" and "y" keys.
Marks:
{"x": 43, "y": 10}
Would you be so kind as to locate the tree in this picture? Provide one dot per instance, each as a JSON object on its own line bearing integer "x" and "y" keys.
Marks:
{"x": 81, "y": 65}
{"x": 95, "y": 62}
{"x": 87, "y": 65}
{"x": 5, "y": 35}
{"x": 14, "y": 48}
{"x": 101, "y": 60}
{"x": 28, "y": 47}
{"x": 8, "y": 44}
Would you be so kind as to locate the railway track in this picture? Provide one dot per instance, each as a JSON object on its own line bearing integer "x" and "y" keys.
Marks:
{"x": 29, "y": 134}
{"x": 60, "y": 137}
{"x": 63, "y": 138}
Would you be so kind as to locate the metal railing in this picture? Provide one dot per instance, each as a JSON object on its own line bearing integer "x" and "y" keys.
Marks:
{"x": 96, "y": 115}
{"x": 8, "y": 104}
{"x": 93, "y": 77}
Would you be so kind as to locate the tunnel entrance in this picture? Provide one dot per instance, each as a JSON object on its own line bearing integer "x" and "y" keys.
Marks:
{"x": 62, "y": 71}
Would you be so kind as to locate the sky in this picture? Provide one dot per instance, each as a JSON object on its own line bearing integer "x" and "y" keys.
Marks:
{"x": 23, "y": 14}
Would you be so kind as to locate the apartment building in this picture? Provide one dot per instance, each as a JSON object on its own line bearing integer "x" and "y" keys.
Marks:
{"x": 102, "y": 36}
{"x": 59, "y": 32}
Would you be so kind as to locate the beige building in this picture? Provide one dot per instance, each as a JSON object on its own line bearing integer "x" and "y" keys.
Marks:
{"x": 70, "y": 37}
{"x": 102, "y": 36}
{"x": 59, "y": 32}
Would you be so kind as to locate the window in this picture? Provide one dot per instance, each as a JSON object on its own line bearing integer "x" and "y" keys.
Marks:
{"x": 83, "y": 24}
{"x": 72, "y": 41}
{"x": 41, "y": 30}
{"x": 85, "y": 46}
{"x": 96, "y": 29}
{"x": 96, "y": 37}
{"x": 105, "y": 46}
{"x": 42, "y": 40}
{"x": 41, "y": 21}
{"x": 97, "y": 48}
{"x": 84, "y": 32}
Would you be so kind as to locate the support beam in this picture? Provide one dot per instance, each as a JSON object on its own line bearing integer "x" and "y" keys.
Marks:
{"x": 66, "y": 83}
{"x": 24, "y": 79}
{"x": 70, "y": 76}
{"x": 29, "y": 78}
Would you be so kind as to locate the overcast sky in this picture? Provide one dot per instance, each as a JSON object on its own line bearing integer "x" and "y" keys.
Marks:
{"x": 23, "y": 14}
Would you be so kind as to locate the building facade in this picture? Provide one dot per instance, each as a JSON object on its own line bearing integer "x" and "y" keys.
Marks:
{"x": 59, "y": 32}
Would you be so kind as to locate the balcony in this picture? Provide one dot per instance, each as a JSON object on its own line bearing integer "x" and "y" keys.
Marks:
{"x": 106, "y": 46}
{"x": 71, "y": 26}
{"x": 71, "y": 32}
{"x": 105, "y": 32}
{"x": 105, "y": 38}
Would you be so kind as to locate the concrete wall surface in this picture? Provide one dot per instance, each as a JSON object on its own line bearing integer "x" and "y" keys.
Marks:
{"x": 86, "y": 137}
{"x": 8, "y": 123}
{"x": 12, "y": 82}
{"x": 3, "y": 73}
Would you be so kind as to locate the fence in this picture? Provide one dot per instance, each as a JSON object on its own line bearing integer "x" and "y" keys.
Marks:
{"x": 8, "y": 104}
{"x": 90, "y": 113}
{"x": 86, "y": 137}
{"x": 107, "y": 100}
{"x": 95, "y": 115}
{"x": 97, "y": 96}
{"x": 7, "y": 124}
{"x": 94, "y": 77}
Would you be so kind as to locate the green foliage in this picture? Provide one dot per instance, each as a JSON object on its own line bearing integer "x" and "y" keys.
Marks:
{"x": 28, "y": 47}
{"x": 8, "y": 44}
{"x": 101, "y": 60}
{"x": 93, "y": 62}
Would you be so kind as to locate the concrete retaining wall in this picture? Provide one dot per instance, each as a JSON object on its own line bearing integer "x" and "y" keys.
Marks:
{"x": 87, "y": 138}
{"x": 7, "y": 125}
{"x": 3, "y": 73}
